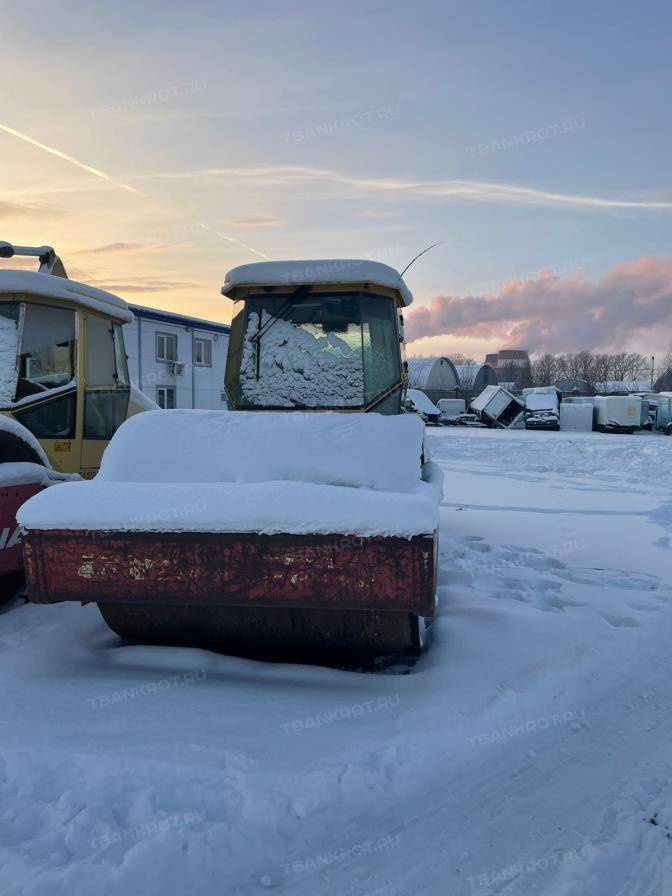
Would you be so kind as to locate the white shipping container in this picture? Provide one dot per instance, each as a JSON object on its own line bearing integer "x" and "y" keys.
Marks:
{"x": 664, "y": 412}
{"x": 579, "y": 399}
{"x": 498, "y": 405}
{"x": 617, "y": 413}
{"x": 576, "y": 417}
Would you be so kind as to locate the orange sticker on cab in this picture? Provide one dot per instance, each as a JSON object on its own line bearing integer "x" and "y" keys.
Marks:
{"x": 63, "y": 446}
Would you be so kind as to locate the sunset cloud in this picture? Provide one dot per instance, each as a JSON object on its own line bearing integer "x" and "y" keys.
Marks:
{"x": 555, "y": 313}
{"x": 25, "y": 209}
{"x": 121, "y": 248}
{"x": 147, "y": 284}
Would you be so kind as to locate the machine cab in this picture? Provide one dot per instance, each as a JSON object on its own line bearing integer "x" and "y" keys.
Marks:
{"x": 63, "y": 370}
{"x": 316, "y": 335}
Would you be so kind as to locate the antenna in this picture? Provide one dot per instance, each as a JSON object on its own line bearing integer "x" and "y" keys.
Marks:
{"x": 433, "y": 246}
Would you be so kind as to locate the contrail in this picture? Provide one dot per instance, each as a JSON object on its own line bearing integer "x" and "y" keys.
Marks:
{"x": 447, "y": 190}
{"x": 113, "y": 181}
{"x": 229, "y": 239}
{"x": 66, "y": 158}
{"x": 239, "y": 243}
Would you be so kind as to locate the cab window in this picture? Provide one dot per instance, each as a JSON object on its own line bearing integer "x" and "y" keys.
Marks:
{"x": 53, "y": 418}
{"x": 47, "y": 352}
{"x": 100, "y": 353}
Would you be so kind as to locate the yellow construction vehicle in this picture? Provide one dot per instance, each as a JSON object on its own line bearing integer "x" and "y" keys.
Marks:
{"x": 291, "y": 530}
{"x": 64, "y": 384}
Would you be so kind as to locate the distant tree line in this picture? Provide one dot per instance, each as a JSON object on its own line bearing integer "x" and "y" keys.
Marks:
{"x": 593, "y": 367}
{"x": 461, "y": 360}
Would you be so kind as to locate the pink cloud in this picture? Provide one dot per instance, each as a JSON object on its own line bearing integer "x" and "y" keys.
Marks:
{"x": 559, "y": 314}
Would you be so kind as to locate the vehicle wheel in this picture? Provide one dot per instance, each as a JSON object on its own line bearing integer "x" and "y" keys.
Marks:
{"x": 269, "y": 632}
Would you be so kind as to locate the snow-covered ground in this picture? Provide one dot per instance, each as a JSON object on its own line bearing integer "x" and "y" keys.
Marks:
{"x": 528, "y": 751}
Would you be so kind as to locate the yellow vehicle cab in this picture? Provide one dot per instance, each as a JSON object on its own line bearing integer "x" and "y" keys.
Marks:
{"x": 63, "y": 370}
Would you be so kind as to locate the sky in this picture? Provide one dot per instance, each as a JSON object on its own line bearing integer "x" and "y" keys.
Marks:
{"x": 158, "y": 145}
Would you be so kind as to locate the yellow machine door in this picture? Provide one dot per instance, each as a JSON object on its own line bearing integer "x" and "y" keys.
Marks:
{"x": 105, "y": 397}
{"x": 46, "y": 400}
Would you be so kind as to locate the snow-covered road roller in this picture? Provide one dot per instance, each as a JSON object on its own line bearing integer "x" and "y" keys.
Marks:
{"x": 293, "y": 530}
{"x": 64, "y": 385}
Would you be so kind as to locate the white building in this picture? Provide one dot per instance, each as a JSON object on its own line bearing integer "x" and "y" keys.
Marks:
{"x": 177, "y": 361}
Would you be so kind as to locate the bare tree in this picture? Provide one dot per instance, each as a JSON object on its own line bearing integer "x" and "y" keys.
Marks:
{"x": 601, "y": 369}
{"x": 638, "y": 366}
{"x": 459, "y": 359}
{"x": 545, "y": 370}
{"x": 592, "y": 368}
{"x": 619, "y": 366}
{"x": 666, "y": 363}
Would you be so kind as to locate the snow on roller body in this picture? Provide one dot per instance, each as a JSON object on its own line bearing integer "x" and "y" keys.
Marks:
{"x": 284, "y": 530}
{"x": 223, "y": 517}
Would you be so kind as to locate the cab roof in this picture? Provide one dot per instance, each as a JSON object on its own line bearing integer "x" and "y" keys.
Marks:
{"x": 337, "y": 271}
{"x": 47, "y": 285}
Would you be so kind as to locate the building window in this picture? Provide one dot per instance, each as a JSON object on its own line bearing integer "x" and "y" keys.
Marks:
{"x": 166, "y": 347}
{"x": 203, "y": 352}
{"x": 165, "y": 397}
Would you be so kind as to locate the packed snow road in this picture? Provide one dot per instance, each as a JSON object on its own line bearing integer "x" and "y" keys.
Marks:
{"x": 528, "y": 751}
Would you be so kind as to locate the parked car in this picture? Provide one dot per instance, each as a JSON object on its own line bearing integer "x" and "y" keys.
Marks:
{"x": 469, "y": 420}
{"x": 541, "y": 409}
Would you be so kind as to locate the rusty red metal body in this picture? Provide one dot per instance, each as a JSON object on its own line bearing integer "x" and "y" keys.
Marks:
{"x": 11, "y": 552}
{"x": 318, "y": 571}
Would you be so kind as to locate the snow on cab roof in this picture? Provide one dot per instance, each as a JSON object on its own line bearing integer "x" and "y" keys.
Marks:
{"x": 311, "y": 272}
{"x": 62, "y": 288}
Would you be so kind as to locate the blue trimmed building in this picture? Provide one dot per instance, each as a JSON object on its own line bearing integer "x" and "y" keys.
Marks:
{"x": 176, "y": 360}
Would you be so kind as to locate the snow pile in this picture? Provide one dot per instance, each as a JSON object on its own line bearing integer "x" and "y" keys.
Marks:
{"x": 32, "y": 474}
{"x": 300, "y": 368}
{"x": 228, "y": 471}
{"x": 9, "y": 343}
